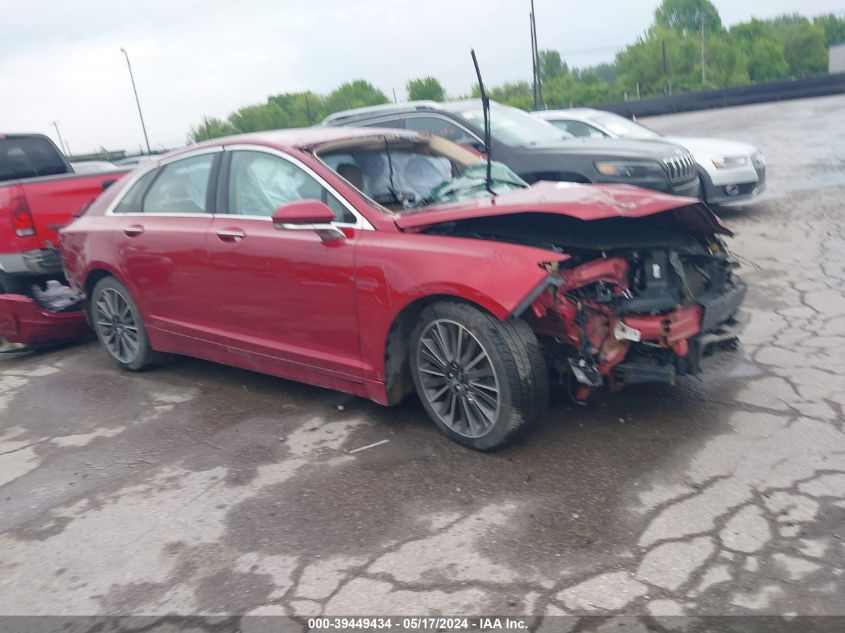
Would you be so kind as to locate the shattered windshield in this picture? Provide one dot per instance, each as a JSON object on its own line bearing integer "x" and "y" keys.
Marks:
{"x": 407, "y": 175}
{"x": 473, "y": 183}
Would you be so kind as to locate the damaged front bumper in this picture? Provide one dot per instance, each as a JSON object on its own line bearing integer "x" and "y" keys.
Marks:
{"x": 641, "y": 365}
{"x": 598, "y": 338}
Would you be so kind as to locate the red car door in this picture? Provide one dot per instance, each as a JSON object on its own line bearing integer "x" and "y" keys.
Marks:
{"x": 282, "y": 296}
{"x": 161, "y": 227}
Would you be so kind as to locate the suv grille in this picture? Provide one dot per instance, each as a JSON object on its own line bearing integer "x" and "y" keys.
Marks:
{"x": 681, "y": 168}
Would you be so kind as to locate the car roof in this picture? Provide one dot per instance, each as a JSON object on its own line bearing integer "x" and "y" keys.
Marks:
{"x": 354, "y": 114}
{"x": 569, "y": 112}
{"x": 294, "y": 138}
{"x": 361, "y": 114}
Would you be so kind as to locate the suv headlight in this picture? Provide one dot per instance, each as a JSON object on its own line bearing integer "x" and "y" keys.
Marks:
{"x": 727, "y": 162}
{"x": 629, "y": 168}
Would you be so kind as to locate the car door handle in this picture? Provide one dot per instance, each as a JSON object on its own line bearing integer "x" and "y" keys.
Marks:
{"x": 133, "y": 230}
{"x": 231, "y": 235}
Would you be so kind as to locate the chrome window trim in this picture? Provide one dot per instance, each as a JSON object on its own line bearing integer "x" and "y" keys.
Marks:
{"x": 360, "y": 221}
{"x": 143, "y": 171}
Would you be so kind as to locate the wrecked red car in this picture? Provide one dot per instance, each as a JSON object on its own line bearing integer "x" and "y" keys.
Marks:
{"x": 383, "y": 263}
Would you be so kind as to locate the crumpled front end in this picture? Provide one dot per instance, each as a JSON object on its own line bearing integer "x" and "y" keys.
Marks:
{"x": 648, "y": 315}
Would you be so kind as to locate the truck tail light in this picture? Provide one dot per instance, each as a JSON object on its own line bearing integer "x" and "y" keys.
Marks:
{"x": 19, "y": 212}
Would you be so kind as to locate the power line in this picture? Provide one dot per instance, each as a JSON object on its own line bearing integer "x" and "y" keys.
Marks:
{"x": 599, "y": 49}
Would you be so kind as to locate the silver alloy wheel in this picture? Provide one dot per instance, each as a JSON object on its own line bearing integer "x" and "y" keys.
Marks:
{"x": 117, "y": 326}
{"x": 458, "y": 378}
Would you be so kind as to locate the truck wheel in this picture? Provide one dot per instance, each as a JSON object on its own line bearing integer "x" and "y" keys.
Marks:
{"x": 118, "y": 325}
{"x": 482, "y": 381}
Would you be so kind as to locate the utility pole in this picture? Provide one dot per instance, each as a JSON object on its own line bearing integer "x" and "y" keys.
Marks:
{"x": 533, "y": 63}
{"x": 665, "y": 67}
{"x": 137, "y": 101}
{"x": 308, "y": 110}
{"x": 703, "y": 62}
{"x": 535, "y": 54}
{"x": 61, "y": 140}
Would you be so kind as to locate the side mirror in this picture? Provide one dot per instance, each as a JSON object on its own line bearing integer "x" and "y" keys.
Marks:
{"x": 307, "y": 215}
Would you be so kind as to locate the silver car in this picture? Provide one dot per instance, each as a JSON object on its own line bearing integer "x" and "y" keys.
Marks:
{"x": 731, "y": 173}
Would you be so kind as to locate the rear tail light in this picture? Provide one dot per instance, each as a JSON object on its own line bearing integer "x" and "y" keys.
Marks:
{"x": 22, "y": 222}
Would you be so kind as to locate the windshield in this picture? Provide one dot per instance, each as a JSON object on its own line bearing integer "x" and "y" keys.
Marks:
{"x": 473, "y": 183}
{"x": 406, "y": 175}
{"x": 512, "y": 126}
{"x": 622, "y": 127}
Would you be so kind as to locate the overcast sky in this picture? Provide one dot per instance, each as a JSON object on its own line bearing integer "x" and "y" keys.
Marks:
{"x": 61, "y": 60}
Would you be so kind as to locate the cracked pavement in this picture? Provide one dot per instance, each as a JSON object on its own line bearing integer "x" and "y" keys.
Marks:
{"x": 198, "y": 488}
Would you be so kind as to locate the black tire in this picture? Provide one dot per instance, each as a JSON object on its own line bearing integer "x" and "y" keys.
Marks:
{"x": 137, "y": 357}
{"x": 514, "y": 367}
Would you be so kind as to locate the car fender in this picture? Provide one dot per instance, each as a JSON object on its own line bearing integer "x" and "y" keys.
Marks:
{"x": 396, "y": 270}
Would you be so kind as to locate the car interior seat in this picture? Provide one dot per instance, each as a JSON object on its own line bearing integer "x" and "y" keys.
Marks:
{"x": 352, "y": 175}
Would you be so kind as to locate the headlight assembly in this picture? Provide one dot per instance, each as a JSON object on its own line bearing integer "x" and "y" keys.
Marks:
{"x": 628, "y": 169}
{"x": 727, "y": 162}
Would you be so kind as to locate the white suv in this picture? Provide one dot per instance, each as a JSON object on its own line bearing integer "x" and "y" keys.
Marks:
{"x": 732, "y": 173}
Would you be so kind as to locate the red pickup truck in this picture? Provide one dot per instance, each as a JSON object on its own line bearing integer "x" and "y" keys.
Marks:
{"x": 39, "y": 193}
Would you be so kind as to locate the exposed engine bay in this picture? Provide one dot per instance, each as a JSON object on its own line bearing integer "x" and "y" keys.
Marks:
{"x": 637, "y": 299}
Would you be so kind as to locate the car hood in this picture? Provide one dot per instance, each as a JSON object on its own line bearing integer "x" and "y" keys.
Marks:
{"x": 583, "y": 202}
{"x": 610, "y": 147}
{"x": 713, "y": 146}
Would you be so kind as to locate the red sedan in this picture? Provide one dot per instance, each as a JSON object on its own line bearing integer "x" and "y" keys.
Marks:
{"x": 382, "y": 263}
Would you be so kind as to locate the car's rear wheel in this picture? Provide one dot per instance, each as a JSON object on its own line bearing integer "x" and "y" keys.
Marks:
{"x": 482, "y": 381}
{"x": 117, "y": 322}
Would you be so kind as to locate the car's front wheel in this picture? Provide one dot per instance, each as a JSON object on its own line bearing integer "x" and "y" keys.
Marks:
{"x": 117, "y": 322}
{"x": 484, "y": 382}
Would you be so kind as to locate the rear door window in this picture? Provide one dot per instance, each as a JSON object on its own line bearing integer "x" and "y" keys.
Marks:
{"x": 29, "y": 157}
{"x": 133, "y": 200}
{"x": 180, "y": 187}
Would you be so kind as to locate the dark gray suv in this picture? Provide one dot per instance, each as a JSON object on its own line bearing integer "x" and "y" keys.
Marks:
{"x": 537, "y": 150}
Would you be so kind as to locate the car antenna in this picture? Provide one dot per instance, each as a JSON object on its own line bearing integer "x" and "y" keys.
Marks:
{"x": 485, "y": 109}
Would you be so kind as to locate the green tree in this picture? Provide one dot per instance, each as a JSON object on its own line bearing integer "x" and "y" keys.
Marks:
{"x": 685, "y": 16}
{"x": 606, "y": 72}
{"x": 642, "y": 63}
{"x": 209, "y": 129}
{"x": 727, "y": 64}
{"x": 518, "y": 94}
{"x": 763, "y": 49}
{"x": 301, "y": 108}
{"x": 425, "y": 88}
{"x": 263, "y": 116}
{"x": 834, "y": 28}
{"x": 551, "y": 65}
{"x": 353, "y": 94}
{"x": 804, "y": 44}
{"x": 766, "y": 61}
